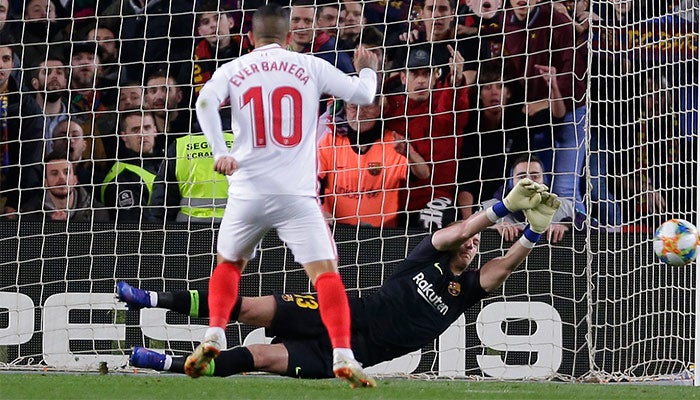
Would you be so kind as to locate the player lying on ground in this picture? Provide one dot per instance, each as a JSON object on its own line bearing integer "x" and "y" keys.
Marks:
{"x": 427, "y": 292}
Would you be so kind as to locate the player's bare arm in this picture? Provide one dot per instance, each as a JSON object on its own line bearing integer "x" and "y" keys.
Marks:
{"x": 453, "y": 236}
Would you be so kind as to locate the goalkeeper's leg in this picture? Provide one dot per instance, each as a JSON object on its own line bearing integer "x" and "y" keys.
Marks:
{"x": 187, "y": 302}
{"x": 256, "y": 311}
{"x": 229, "y": 362}
{"x": 223, "y": 290}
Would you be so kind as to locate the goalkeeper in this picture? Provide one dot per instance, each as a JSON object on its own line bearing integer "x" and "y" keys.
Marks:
{"x": 427, "y": 292}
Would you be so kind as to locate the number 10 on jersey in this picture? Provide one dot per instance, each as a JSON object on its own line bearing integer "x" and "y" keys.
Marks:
{"x": 282, "y": 108}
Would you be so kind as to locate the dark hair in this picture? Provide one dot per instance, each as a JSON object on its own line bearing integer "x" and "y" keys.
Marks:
{"x": 102, "y": 25}
{"x": 303, "y": 3}
{"x": 342, "y": 5}
{"x": 528, "y": 158}
{"x": 126, "y": 114}
{"x": 371, "y": 36}
{"x": 63, "y": 153}
{"x": 55, "y": 155}
{"x": 7, "y": 40}
{"x": 129, "y": 83}
{"x": 523, "y": 158}
{"x": 453, "y": 4}
{"x": 76, "y": 119}
{"x": 271, "y": 21}
{"x": 490, "y": 72}
{"x": 210, "y": 6}
{"x": 161, "y": 73}
{"x": 51, "y": 56}
{"x": 326, "y": 5}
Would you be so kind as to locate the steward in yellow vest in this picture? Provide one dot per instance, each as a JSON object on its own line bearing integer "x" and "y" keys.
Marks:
{"x": 128, "y": 185}
{"x": 187, "y": 189}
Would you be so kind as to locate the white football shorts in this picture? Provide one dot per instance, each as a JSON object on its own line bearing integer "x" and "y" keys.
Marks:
{"x": 297, "y": 219}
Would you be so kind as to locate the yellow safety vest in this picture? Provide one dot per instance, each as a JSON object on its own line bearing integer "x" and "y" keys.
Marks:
{"x": 203, "y": 191}
{"x": 147, "y": 177}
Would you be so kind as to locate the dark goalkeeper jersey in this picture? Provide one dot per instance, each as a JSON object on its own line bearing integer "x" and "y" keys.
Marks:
{"x": 416, "y": 303}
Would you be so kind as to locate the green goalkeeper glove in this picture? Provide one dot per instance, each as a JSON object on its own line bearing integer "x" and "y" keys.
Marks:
{"x": 525, "y": 195}
{"x": 541, "y": 215}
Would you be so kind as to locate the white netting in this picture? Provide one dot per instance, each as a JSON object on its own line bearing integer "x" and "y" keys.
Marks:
{"x": 616, "y": 136}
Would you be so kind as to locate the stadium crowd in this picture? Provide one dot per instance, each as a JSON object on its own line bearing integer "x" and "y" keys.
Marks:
{"x": 99, "y": 99}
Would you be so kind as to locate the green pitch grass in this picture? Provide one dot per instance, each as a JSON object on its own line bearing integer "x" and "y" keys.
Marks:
{"x": 169, "y": 387}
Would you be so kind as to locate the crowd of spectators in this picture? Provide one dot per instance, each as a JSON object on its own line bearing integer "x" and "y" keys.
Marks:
{"x": 98, "y": 98}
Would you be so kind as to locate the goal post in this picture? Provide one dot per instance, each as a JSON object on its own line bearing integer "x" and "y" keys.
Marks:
{"x": 596, "y": 306}
{"x": 696, "y": 380}
{"x": 648, "y": 83}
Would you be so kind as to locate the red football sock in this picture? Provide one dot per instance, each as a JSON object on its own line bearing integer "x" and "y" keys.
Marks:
{"x": 223, "y": 293}
{"x": 334, "y": 308}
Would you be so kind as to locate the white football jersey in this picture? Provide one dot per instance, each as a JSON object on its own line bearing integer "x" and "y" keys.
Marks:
{"x": 274, "y": 96}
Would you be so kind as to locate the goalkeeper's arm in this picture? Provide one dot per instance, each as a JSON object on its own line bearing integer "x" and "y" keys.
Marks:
{"x": 526, "y": 194}
{"x": 497, "y": 270}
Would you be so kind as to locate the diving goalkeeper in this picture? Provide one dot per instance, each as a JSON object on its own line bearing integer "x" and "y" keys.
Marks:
{"x": 428, "y": 291}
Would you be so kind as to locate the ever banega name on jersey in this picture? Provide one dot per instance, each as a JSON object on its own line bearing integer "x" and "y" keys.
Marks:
{"x": 266, "y": 66}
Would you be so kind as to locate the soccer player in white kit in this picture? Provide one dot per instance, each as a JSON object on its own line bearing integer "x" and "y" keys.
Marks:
{"x": 272, "y": 174}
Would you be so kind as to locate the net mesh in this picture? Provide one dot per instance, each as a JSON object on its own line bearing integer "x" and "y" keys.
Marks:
{"x": 603, "y": 93}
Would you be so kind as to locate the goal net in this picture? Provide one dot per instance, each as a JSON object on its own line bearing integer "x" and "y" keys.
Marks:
{"x": 616, "y": 134}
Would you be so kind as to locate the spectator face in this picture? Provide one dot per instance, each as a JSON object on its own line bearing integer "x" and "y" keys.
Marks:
{"x": 351, "y": 19}
{"x": 418, "y": 83}
{"x": 302, "y": 24}
{"x": 40, "y": 10}
{"x": 4, "y": 10}
{"x": 71, "y": 132}
{"x": 363, "y": 118}
{"x": 528, "y": 169}
{"x": 105, "y": 39}
{"x": 522, "y": 7}
{"x": 139, "y": 134}
{"x": 328, "y": 20}
{"x": 130, "y": 98}
{"x": 84, "y": 68}
{"x": 486, "y": 9}
{"x": 212, "y": 25}
{"x": 622, "y": 7}
{"x": 162, "y": 95}
{"x": 59, "y": 178}
{"x": 437, "y": 16}
{"x": 52, "y": 77}
{"x": 493, "y": 95}
{"x": 5, "y": 67}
